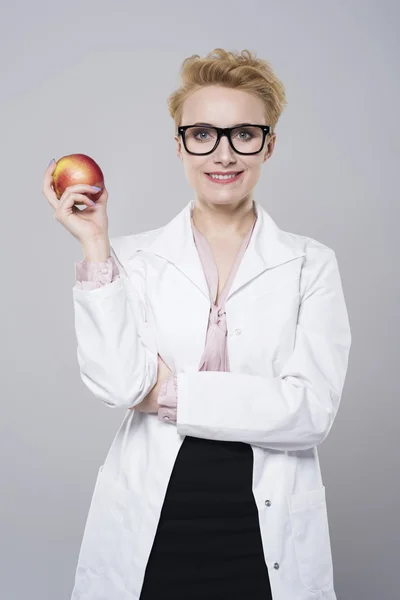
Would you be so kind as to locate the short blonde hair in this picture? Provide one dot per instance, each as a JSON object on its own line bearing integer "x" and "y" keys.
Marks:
{"x": 242, "y": 71}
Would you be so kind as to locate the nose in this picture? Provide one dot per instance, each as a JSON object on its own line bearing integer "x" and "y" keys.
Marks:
{"x": 223, "y": 152}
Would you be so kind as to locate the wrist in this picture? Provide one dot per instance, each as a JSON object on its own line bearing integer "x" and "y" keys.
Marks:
{"x": 168, "y": 391}
{"x": 96, "y": 249}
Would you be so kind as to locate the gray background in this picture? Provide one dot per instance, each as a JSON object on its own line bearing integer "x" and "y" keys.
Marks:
{"x": 93, "y": 77}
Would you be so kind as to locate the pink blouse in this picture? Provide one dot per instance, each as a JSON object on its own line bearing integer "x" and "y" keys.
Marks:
{"x": 91, "y": 275}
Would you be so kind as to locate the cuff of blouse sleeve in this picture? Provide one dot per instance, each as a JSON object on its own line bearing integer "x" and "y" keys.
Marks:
{"x": 167, "y": 399}
{"x": 183, "y": 417}
{"x": 101, "y": 272}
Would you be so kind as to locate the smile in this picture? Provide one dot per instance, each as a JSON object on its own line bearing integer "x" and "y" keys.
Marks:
{"x": 224, "y": 178}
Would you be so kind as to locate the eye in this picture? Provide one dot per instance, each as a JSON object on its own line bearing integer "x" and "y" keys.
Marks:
{"x": 200, "y": 134}
{"x": 245, "y": 133}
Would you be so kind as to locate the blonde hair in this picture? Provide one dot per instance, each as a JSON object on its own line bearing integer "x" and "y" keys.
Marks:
{"x": 242, "y": 71}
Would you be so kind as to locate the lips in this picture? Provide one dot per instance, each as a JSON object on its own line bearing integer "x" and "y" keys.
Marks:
{"x": 225, "y": 180}
{"x": 225, "y": 173}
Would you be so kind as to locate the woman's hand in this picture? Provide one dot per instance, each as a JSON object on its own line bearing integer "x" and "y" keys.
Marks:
{"x": 149, "y": 404}
{"x": 85, "y": 225}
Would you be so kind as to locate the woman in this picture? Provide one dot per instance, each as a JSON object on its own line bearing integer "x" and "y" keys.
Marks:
{"x": 228, "y": 340}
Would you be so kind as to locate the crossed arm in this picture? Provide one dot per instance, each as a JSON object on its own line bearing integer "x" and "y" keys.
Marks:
{"x": 293, "y": 411}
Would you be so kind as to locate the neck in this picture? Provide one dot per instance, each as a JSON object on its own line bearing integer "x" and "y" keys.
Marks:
{"x": 223, "y": 220}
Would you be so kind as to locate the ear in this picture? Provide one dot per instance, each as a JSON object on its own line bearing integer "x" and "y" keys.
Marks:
{"x": 270, "y": 147}
{"x": 178, "y": 147}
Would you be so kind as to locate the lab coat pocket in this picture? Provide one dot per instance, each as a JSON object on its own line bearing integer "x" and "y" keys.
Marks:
{"x": 271, "y": 322}
{"x": 276, "y": 290}
{"x": 278, "y": 298}
{"x": 310, "y": 531}
{"x": 104, "y": 525}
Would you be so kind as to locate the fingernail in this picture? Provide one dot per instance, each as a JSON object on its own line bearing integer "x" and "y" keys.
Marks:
{"x": 96, "y": 188}
{"x": 92, "y": 202}
{"x": 52, "y": 160}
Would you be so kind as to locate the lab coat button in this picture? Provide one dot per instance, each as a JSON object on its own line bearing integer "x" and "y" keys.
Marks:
{"x": 268, "y": 503}
{"x": 166, "y": 418}
{"x": 238, "y": 331}
{"x": 276, "y": 566}
{"x": 104, "y": 270}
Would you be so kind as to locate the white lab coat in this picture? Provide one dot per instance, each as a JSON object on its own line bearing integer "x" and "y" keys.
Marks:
{"x": 288, "y": 342}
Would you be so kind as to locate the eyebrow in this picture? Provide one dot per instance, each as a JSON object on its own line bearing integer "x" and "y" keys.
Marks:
{"x": 211, "y": 125}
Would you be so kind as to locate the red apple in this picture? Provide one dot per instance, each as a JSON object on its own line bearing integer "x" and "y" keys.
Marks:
{"x": 77, "y": 168}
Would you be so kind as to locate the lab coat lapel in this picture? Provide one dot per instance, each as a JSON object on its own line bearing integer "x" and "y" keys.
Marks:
{"x": 269, "y": 247}
{"x": 175, "y": 243}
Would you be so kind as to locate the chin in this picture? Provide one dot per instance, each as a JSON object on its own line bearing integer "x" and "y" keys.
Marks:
{"x": 227, "y": 197}
{"x": 219, "y": 201}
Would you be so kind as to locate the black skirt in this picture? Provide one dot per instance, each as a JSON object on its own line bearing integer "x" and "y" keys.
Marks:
{"x": 208, "y": 542}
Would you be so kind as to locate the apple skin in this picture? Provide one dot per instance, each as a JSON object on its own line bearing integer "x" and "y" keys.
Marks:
{"x": 77, "y": 168}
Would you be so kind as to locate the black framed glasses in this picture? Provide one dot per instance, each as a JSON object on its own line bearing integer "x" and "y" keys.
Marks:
{"x": 203, "y": 139}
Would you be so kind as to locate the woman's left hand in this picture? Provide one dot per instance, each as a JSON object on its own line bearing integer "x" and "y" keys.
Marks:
{"x": 149, "y": 403}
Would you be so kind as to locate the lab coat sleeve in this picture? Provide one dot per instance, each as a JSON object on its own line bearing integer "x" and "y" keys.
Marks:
{"x": 295, "y": 410}
{"x": 116, "y": 354}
